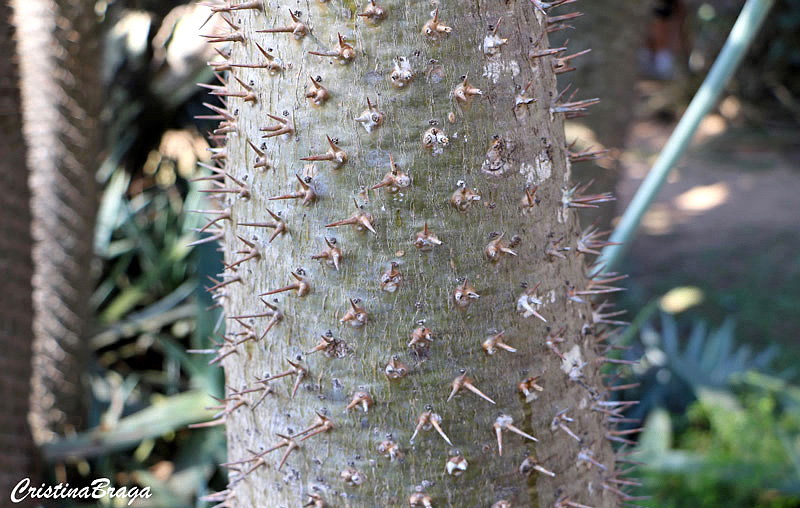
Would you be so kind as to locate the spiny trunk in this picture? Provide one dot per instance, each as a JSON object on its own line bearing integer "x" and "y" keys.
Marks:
{"x": 16, "y": 444}
{"x": 59, "y": 66}
{"x": 614, "y": 31}
{"x": 508, "y": 261}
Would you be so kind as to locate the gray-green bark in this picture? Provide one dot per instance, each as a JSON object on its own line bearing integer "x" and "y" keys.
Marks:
{"x": 59, "y": 66}
{"x": 494, "y": 148}
{"x": 16, "y": 445}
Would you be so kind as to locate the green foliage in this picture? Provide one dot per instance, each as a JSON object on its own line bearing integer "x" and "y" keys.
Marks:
{"x": 738, "y": 443}
{"x": 145, "y": 387}
{"x": 737, "y": 449}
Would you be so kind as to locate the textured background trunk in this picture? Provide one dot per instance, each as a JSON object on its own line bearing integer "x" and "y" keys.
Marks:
{"x": 535, "y": 154}
{"x": 59, "y": 44}
{"x": 16, "y": 443}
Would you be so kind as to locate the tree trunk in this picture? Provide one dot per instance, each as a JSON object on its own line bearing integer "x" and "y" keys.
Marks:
{"x": 16, "y": 445}
{"x": 340, "y": 337}
{"x": 59, "y": 44}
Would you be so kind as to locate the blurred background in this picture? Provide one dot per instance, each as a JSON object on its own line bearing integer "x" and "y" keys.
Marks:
{"x": 712, "y": 302}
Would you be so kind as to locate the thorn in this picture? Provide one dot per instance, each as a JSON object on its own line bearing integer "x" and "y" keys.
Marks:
{"x": 529, "y": 200}
{"x": 599, "y": 317}
{"x": 495, "y": 342}
{"x": 271, "y": 64}
{"x": 587, "y": 155}
{"x": 505, "y": 422}
{"x": 421, "y": 339}
{"x": 373, "y": 12}
{"x": 315, "y": 501}
{"x": 301, "y": 286}
{"x": 391, "y": 279}
{"x": 530, "y": 464}
{"x": 402, "y": 73}
{"x": 463, "y": 198}
{"x": 496, "y": 249}
{"x": 435, "y": 30}
{"x": 261, "y": 158}
{"x": 390, "y": 450}
{"x": 290, "y": 447}
{"x": 493, "y": 43}
{"x": 233, "y": 36}
{"x": 586, "y": 455}
{"x": 319, "y": 94}
{"x": 565, "y": 501}
{"x": 361, "y": 220}
{"x": 464, "y": 92}
{"x": 356, "y": 316}
{"x": 572, "y": 108}
{"x": 352, "y": 476}
{"x": 227, "y": 7}
{"x": 250, "y": 253}
{"x": 296, "y": 28}
{"x": 360, "y": 399}
{"x": 278, "y": 225}
{"x": 329, "y": 345}
{"x": 425, "y": 241}
{"x": 529, "y": 388}
{"x": 212, "y": 423}
{"x": 395, "y": 369}
{"x": 281, "y": 128}
{"x": 463, "y": 381}
{"x": 420, "y": 499}
{"x": 554, "y": 251}
{"x": 371, "y": 118}
{"x": 296, "y": 369}
{"x": 523, "y": 98}
{"x": 560, "y": 422}
{"x": 464, "y": 294}
{"x": 332, "y": 254}
{"x": 394, "y": 180}
{"x": 306, "y": 193}
{"x": 224, "y": 283}
{"x": 344, "y": 52}
{"x": 527, "y": 300}
{"x": 322, "y": 424}
{"x": 428, "y": 420}
{"x": 552, "y": 339}
{"x": 334, "y": 154}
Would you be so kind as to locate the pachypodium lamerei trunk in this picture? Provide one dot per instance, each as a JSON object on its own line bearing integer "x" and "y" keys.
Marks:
{"x": 17, "y": 457}
{"x": 60, "y": 84}
{"x": 405, "y": 290}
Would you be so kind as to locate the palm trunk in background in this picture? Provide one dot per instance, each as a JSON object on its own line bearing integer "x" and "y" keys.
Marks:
{"x": 397, "y": 217}
{"x": 59, "y": 67}
{"x": 16, "y": 309}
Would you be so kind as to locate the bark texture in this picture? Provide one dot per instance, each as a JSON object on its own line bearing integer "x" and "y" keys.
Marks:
{"x": 59, "y": 41}
{"x": 499, "y": 144}
{"x": 16, "y": 312}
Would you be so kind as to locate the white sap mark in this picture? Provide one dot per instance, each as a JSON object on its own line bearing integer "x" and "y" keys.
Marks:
{"x": 496, "y": 68}
{"x": 583, "y": 403}
{"x": 492, "y": 44}
{"x": 552, "y": 296}
{"x": 542, "y": 170}
{"x": 572, "y": 364}
{"x": 568, "y": 172}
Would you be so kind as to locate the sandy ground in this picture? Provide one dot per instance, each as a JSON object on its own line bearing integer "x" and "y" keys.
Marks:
{"x": 727, "y": 221}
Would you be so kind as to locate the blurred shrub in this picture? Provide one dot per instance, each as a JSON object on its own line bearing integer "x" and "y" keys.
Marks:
{"x": 735, "y": 448}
